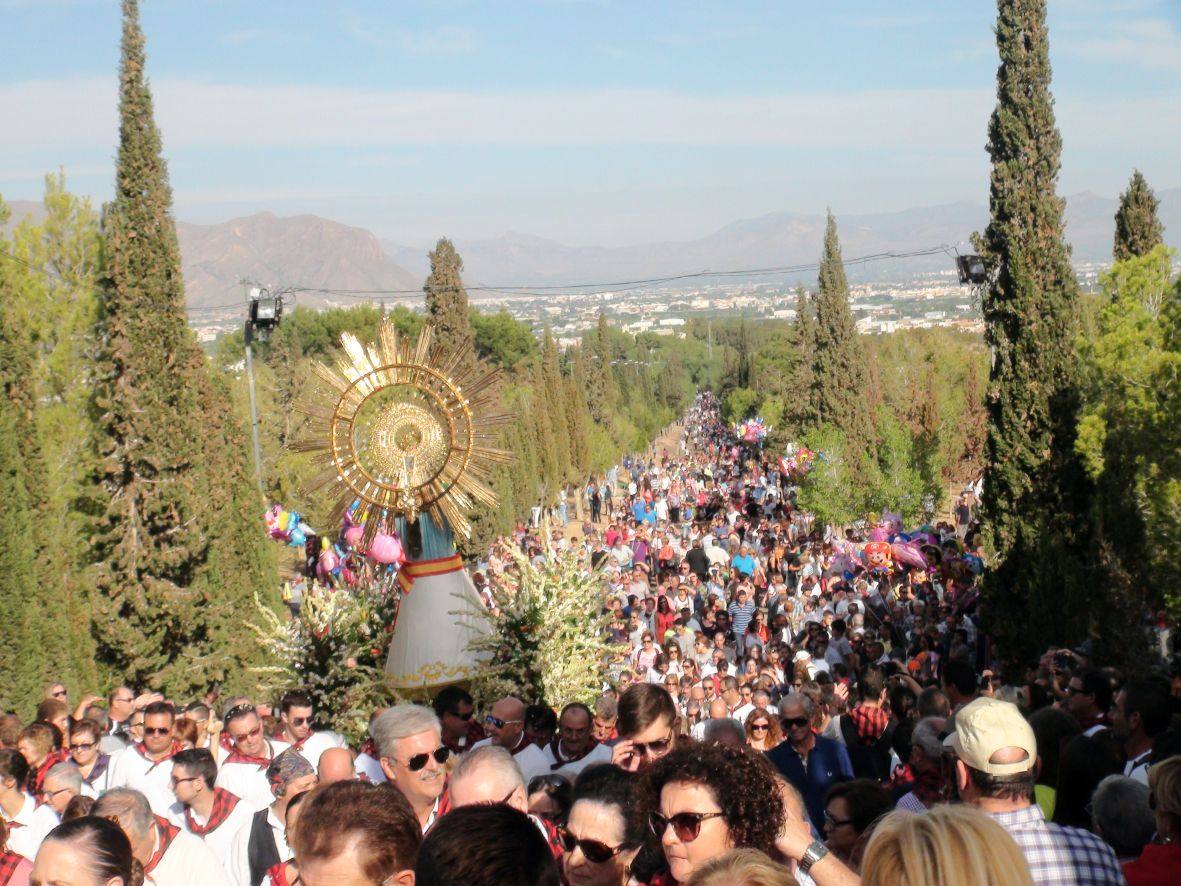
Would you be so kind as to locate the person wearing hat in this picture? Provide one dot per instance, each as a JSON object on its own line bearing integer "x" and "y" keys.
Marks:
{"x": 995, "y": 769}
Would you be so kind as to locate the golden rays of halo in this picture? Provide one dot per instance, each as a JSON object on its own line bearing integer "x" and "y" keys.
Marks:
{"x": 403, "y": 427}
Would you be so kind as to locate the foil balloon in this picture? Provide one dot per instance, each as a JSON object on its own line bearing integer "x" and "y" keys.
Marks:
{"x": 879, "y": 557}
{"x": 386, "y": 549}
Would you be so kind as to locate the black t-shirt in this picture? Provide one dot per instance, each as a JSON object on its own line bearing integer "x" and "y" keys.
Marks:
{"x": 698, "y": 561}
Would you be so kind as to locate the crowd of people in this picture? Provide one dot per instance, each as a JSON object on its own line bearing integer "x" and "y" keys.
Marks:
{"x": 775, "y": 712}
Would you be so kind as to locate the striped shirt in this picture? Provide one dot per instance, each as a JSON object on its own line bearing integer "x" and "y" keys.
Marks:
{"x": 740, "y": 617}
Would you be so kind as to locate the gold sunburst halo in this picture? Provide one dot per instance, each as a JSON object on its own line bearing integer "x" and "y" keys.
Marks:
{"x": 403, "y": 427}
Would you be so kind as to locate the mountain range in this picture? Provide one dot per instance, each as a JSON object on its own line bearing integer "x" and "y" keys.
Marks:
{"x": 310, "y": 251}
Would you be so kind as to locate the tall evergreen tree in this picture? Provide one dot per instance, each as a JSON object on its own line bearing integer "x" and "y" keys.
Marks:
{"x": 177, "y": 555}
{"x": 1137, "y": 225}
{"x": 1035, "y": 495}
{"x": 800, "y": 396}
{"x": 446, "y": 301}
{"x": 838, "y": 358}
{"x": 554, "y": 397}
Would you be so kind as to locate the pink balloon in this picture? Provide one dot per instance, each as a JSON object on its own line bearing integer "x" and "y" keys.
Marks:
{"x": 906, "y": 552}
{"x": 878, "y": 533}
{"x": 386, "y": 549}
{"x": 352, "y": 536}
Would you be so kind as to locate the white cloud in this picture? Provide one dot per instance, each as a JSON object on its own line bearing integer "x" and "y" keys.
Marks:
{"x": 443, "y": 40}
{"x": 1144, "y": 43}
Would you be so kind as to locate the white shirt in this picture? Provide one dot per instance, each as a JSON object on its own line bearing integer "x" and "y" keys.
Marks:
{"x": 599, "y": 754}
{"x": 248, "y": 781}
{"x": 131, "y": 769}
{"x": 35, "y": 823}
{"x": 532, "y": 760}
{"x": 741, "y": 712}
{"x": 370, "y": 767}
{"x": 221, "y": 838}
{"x": 317, "y": 743}
{"x": 1137, "y": 767}
{"x": 238, "y": 863}
{"x": 187, "y": 862}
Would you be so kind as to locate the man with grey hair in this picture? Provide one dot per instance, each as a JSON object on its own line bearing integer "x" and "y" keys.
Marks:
{"x": 926, "y": 762}
{"x": 168, "y": 854}
{"x": 723, "y": 730}
{"x": 413, "y": 757}
{"x": 1121, "y": 816}
{"x": 488, "y": 775}
{"x": 62, "y": 783}
{"x": 606, "y": 715}
{"x": 809, "y": 761}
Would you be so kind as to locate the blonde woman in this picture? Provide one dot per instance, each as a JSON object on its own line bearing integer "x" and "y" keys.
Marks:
{"x": 948, "y": 844}
{"x": 742, "y": 867}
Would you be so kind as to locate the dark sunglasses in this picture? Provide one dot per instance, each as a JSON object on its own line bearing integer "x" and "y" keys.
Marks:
{"x": 541, "y": 782}
{"x": 651, "y": 748}
{"x": 686, "y": 825}
{"x": 788, "y": 722}
{"x": 157, "y": 730}
{"x": 418, "y": 761}
{"x": 760, "y": 727}
{"x": 83, "y": 746}
{"x": 595, "y": 852}
{"x": 299, "y": 721}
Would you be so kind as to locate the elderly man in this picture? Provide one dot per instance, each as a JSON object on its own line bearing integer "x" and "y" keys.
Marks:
{"x": 357, "y": 834}
{"x": 811, "y": 762}
{"x": 63, "y": 782}
{"x": 505, "y": 725}
{"x": 336, "y": 764}
{"x": 606, "y": 716}
{"x": 211, "y": 813}
{"x": 262, "y": 842}
{"x": 295, "y": 718}
{"x": 168, "y": 854}
{"x": 413, "y": 758}
{"x": 995, "y": 770}
{"x": 243, "y": 772}
{"x": 575, "y": 748}
{"x": 146, "y": 766}
{"x": 926, "y": 762}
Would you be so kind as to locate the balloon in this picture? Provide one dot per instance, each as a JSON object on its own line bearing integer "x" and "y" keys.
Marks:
{"x": 352, "y": 536}
{"x": 282, "y": 519}
{"x": 878, "y": 556}
{"x": 905, "y": 552}
{"x": 878, "y": 534}
{"x": 328, "y": 560}
{"x": 278, "y": 533}
{"x": 386, "y": 549}
{"x": 296, "y": 537}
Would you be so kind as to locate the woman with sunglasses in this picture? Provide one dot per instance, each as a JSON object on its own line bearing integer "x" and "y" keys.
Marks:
{"x": 701, "y": 801}
{"x": 91, "y": 762}
{"x": 762, "y": 730}
{"x": 602, "y": 835}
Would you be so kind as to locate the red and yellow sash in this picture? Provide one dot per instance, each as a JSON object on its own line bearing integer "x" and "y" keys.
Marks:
{"x": 422, "y": 568}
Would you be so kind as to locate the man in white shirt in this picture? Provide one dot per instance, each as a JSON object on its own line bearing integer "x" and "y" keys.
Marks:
{"x": 505, "y": 725}
{"x": 410, "y": 748}
{"x": 261, "y": 842}
{"x": 169, "y": 855}
{"x": 296, "y": 716}
{"x": 146, "y": 766}
{"x": 211, "y": 813}
{"x": 243, "y": 773}
{"x": 575, "y": 748}
{"x": 27, "y": 822}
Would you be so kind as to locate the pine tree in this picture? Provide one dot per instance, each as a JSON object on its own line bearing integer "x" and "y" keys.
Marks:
{"x": 1035, "y": 495}
{"x": 177, "y": 553}
{"x": 1137, "y": 225}
{"x": 446, "y": 302}
{"x": 838, "y": 359}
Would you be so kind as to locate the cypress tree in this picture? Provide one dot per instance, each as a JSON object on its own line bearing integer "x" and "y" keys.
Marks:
{"x": 803, "y": 338}
{"x": 446, "y": 302}
{"x": 838, "y": 360}
{"x": 1035, "y": 495}
{"x": 555, "y": 403}
{"x": 1137, "y": 225}
{"x": 177, "y": 552}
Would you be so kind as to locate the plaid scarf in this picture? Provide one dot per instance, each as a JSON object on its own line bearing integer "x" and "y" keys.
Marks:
{"x": 165, "y": 834}
{"x": 869, "y": 722}
{"x": 223, "y": 804}
{"x": 277, "y": 874}
{"x": 9, "y": 862}
{"x": 175, "y": 748}
{"x": 36, "y": 779}
{"x": 928, "y": 786}
{"x": 261, "y": 762}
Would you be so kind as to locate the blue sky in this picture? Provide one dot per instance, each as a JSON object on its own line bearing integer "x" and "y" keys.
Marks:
{"x": 588, "y": 122}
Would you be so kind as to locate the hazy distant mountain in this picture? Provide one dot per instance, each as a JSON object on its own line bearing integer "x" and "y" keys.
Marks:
{"x": 774, "y": 240}
{"x": 303, "y": 250}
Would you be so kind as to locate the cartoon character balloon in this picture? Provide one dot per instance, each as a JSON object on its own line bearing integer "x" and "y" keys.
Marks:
{"x": 879, "y": 557}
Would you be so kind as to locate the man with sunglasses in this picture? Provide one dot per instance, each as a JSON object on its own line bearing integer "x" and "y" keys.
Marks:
{"x": 146, "y": 766}
{"x": 243, "y": 772}
{"x": 413, "y": 758}
{"x": 460, "y": 730}
{"x": 211, "y": 813}
{"x": 505, "y": 725}
{"x": 295, "y": 719}
{"x": 809, "y": 761}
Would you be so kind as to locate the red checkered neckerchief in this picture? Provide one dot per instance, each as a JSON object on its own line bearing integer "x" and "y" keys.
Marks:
{"x": 277, "y": 874}
{"x": 37, "y": 776}
{"x": 552, "y": 837}
{"x": 236, "y": 756}
{"x": 9, "y": 862}
{"x": 165, "y": 834}
{"x": 175, "y": 748}
{"x": 223, "y": 804}
{"x": 869, "y": 722}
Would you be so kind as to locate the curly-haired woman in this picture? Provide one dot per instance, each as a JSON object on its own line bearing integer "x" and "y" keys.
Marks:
{"x": 701, "y": 801}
